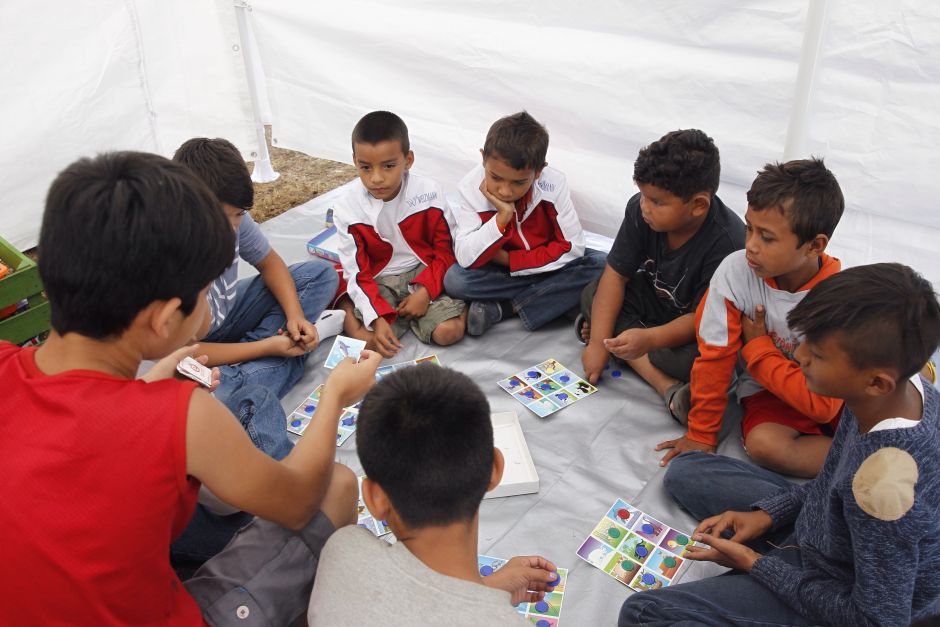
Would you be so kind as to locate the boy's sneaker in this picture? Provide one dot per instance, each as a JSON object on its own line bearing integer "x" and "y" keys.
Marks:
{"x": 482, "y": 315}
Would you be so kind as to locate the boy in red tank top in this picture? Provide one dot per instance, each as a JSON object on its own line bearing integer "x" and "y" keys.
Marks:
{"x": 100, "y": 471}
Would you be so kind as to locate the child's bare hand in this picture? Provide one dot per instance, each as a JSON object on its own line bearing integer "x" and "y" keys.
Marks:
{"x": 746, "y": 526}
{"x": 501, "y": 258}
{"x": 525, "y": 578}
{"x": 302, "y": 332}
{"x": 281, "y": 345}
{"x": 415, "y": 304}
{"x": 752, "y": 329}
{"x": 681, "y": 445}
{"x": 386, "y": 342}
{"x": 630, "y": 344}
{"x": 504, "y": 210}
{"x": 594, "y": 358}
{"x": 727, "y": 553}
{"x": 350, "y": 380}
{"x": 166, "y": 367}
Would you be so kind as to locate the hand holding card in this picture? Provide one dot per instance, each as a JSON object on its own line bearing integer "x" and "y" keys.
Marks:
{"x": 191, "y": 368}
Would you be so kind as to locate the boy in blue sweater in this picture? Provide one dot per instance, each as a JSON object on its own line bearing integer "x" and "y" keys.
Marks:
{"x": 865, "y": 546}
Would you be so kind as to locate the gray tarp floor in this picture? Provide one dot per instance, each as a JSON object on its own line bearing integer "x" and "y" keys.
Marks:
{"x": 587, "y": 455}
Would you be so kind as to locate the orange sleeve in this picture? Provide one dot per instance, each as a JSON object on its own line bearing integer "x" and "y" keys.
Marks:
{"x": 783, "y": 378}
{"x": 713, "y": 369}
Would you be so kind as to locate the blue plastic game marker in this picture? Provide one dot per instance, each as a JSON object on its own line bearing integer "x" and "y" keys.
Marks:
{"x": 513, "y": 383}
{"x": 615, "y": 373}
{"x": 641, "y": 551}
{"x": 296, "y": 423}
{"x": 562, "y": 396}
{"x": 542, "y": 623}
{"x": 529, "y": 393}
{"x": 554, "y": 582}
{"x": 541, "y": 606}
{"x": 347, "y": 422}
{"x": 647, "y": 528}
{"x": 564, "y": 378}
{"x": 532, "y": 374}
{"x": 545, "y": 386}
{"x": 648, "y": 579}
{"x": 310, "y": 407}
{"x": 486, "y": 571}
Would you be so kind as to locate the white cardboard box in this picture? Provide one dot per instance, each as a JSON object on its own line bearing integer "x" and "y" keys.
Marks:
{"x": 519, "y": 475}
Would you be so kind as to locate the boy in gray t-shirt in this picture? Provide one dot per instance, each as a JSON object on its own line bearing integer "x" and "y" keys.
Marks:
{"x": 429, "y": 493}
{"x": 261, "y": 328}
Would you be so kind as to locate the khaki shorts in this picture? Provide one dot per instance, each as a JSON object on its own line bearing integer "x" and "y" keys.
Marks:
{"x": 394, "y": 288}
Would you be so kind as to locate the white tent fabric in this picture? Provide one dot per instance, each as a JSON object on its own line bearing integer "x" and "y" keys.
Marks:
{"x": 610, "y": 79}
{"x": 85, "y": 77}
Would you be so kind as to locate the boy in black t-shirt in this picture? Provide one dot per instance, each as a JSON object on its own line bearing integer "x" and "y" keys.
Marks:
{"x": 674, "y": 234}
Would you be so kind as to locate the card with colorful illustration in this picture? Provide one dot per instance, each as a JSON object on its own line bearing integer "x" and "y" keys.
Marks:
{"x": 546, "y": 387}
{"x": 343, "y": 347}
{"x": 299, "y": 419}
{"x": 366, "y": 520}
{"x": 544, "y": 613}
{"x": 390, "y": 368}
{"x": 636, "y": 549}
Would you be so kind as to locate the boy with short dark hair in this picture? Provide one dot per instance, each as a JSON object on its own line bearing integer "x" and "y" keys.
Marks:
{"x": 674, "y": 234}
{"x": 793, "y": 209}
{"x": 129, "y": 245}
{"x": 519, "y": 244}
{"x": 425, "y": 440}
{"x": 857, "y": 545}
{"x": 261, "y": 328}
{"x": 395, "y": 244}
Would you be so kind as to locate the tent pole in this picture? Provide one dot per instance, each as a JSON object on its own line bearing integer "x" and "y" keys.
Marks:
{"x": 805, "y": 79}
{"x": 263, "y": 172}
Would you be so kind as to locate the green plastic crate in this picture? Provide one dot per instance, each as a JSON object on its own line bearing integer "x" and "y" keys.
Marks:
{"x": 22, "y": 283}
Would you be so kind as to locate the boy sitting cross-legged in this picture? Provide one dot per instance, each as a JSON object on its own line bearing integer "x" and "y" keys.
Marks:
{"x": 426, "y": 444}
{"x": 395, "y": 244}
{"x": 100, "y": 471}
{"x": 857, "y": 545}
{"x": 519, "y": 243}
{"x": 261, "y": 328}
{"x": 674, "y": 234}
{"x": 792, "y": 210}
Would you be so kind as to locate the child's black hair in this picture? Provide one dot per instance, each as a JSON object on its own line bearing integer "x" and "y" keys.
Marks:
{"x": 683, "y": 162}
{"x": 803, "y": 190}
{"x": 125, "y": 229}
{"x": 426, "y": 438}
{"x": 888, "y": 314}
{"x": 220, "y": 166}
{"x": 519, "y": 140}
{"x": 380, "y": 126}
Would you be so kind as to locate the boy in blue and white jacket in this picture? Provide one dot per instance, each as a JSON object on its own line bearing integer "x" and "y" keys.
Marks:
{"x": 860, "y": 543}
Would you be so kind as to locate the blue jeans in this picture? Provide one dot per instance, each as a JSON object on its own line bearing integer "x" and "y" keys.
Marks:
{"x": 256, "y": 314}
{"x": 537, "y": 298}
{"x": 260, "y": 413}
{"x": 707, "y": 485}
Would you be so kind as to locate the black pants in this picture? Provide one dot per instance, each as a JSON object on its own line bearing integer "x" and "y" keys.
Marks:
{"x": 643, "y": 309}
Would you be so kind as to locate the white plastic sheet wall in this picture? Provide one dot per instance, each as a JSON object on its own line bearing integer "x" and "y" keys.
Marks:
{"x": 607, "y": 78}
{"x": 87, "y": 76}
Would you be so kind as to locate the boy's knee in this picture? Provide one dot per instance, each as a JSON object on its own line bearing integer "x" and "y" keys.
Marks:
{"x": 448, "y": 332}
{"x": 639, "y": 607}
{"x": 684, "y": 475}
{"x": 765, "y": 449}
{"x": 455, "y": 280}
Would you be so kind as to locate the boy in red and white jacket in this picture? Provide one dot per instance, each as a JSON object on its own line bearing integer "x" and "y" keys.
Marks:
{"x": 519, "y": 244}
{"x": 395, "y": 244}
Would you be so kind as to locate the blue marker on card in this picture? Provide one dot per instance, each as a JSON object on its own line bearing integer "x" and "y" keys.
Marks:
{"x": 541, "y": 606}
{"x": 486, "y": 571}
